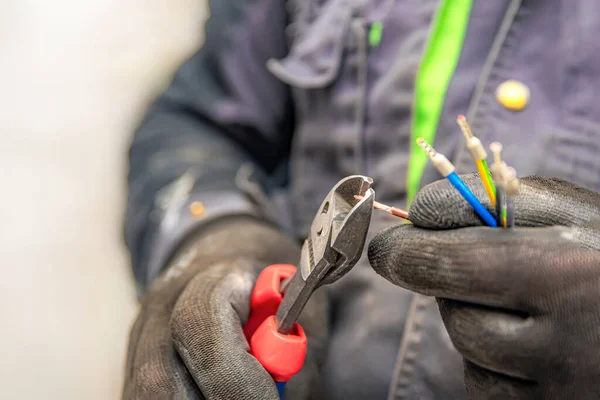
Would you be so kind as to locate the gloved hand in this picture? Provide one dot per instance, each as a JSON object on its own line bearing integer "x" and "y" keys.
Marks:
{"x": 187, "y": 342}
{"x": 521, "y": 305}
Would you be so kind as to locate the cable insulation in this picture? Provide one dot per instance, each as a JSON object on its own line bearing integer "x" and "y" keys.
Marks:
{"x": 472, "y": 200}
{"x": 486, "y": 178}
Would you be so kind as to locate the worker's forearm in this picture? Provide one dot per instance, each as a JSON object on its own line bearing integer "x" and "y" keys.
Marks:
{"x": 179, "y": 181}
{"x": 213, "y": 136}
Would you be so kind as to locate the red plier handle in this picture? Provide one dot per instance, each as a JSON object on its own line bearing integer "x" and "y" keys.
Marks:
{"x": 281, "y": 355}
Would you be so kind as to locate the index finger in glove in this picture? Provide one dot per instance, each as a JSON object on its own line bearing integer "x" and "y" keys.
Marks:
{"x": 540, "y": 202}
{"x": 206, "y": 326}
{"x": 494, "y": 267}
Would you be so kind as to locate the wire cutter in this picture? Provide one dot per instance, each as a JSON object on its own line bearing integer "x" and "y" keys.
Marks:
{"x": 334, "y": 245}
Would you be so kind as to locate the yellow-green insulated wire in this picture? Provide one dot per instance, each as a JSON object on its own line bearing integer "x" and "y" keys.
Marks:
{"x": 499, "y": 168}
{"x": 486, "y": 178}
{"x": 479, "y": 156}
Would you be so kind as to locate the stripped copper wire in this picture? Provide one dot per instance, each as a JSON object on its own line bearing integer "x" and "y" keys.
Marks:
{"x": 398, "y": 212}
{"x": 496, "y": 149}
{"x": 427, "y": 147}
{"x": 464, "y": 126}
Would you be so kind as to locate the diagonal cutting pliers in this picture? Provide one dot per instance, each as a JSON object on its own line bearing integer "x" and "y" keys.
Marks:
{"x": 334, "y": 245}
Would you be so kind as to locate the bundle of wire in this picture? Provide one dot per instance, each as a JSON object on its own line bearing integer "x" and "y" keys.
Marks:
{"x": 445, "y": 167}
{"x": 500, "y": 181}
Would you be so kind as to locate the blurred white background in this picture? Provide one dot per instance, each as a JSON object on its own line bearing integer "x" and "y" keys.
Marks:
{"x": 75, "y": 78}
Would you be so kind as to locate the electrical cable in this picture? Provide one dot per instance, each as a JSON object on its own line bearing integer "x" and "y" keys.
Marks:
{"x": 498, "y": 172}
{"x": 445, "y": 167}
{"x": 511, "y": 191}
{"x": 479, "y": 156}
{"x": 398, "y": 212}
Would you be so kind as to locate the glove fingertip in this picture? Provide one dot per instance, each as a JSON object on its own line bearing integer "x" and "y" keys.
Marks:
{"x": 440, "y": 206}
{"x": 424, "y": 212}
{"x": 383, "y": 248}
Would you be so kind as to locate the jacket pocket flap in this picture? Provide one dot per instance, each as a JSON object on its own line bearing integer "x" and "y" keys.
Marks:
{"x": 315, "y": 57}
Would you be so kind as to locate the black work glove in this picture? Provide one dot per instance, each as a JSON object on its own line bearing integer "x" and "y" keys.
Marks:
{"x": 187, "y": 342}
{"x": 521, "y": 305}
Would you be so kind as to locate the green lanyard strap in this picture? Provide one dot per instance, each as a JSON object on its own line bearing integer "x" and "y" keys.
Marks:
{"x": 433, "y": 77}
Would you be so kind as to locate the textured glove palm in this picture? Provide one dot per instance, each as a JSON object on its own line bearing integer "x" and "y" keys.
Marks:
{"x": 521, "y": 305}
{"x": 187, "y": 342}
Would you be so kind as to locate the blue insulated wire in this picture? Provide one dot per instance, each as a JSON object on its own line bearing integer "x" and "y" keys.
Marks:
{"x": 472, "y": 200}
{"x": 280, "y": 387}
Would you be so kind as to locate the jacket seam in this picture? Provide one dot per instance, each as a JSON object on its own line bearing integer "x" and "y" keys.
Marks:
{"x": 474, "y": 110}
{"x": 409, "y": 348}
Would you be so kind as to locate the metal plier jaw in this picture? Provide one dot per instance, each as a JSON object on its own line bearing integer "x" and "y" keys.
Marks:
{"x": 334, "y": 245}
